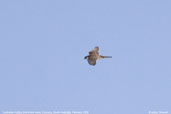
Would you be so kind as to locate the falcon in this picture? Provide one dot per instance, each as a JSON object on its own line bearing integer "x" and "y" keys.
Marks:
{"x": 94, "y": 55}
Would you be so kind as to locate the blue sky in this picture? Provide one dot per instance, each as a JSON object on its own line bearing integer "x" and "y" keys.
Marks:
{"x": 43, "y": 43}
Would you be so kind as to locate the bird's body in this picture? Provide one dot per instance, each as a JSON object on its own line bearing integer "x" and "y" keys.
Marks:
{"x": 94, "y": 55}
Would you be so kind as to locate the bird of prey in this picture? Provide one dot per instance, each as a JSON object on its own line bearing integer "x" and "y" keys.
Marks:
{"x": 94, "y": 55}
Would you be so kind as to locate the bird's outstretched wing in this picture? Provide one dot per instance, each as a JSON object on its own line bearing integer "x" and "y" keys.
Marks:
{"x": 92, "y": 61}
{"x": 94, "y": 51}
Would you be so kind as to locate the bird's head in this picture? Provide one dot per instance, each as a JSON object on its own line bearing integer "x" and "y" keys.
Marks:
{"x": 86, "y": 57}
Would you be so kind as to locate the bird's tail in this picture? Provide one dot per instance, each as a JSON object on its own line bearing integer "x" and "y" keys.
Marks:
{"x": 105, "y": 56}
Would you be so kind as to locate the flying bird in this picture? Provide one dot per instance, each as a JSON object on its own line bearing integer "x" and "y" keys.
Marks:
{"x": 94, "y": 55}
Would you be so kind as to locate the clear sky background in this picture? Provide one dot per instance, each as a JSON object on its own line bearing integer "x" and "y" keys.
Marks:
{"x": 43, "y": 43}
